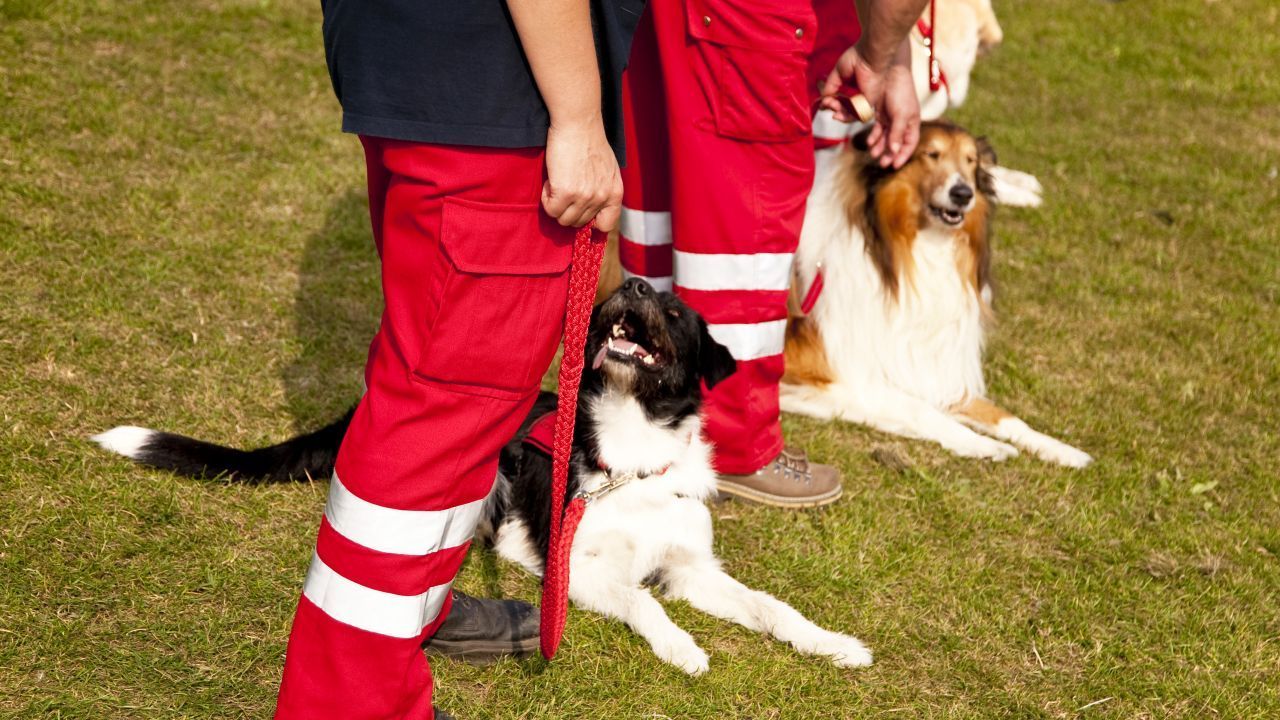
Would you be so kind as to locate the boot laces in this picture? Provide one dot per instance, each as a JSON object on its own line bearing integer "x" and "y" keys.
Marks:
{"x": 794, "y": 466}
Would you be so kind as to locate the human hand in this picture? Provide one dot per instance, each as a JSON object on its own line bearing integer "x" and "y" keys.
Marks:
{"x": 891, "y": 92}
{"x": 583, "y": 181}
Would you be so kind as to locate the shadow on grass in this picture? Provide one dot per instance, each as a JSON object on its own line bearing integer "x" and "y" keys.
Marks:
{"x": 337, "y": 309}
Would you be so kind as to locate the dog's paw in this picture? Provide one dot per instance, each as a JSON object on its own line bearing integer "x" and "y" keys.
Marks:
{"x": 1064, "y": 454}
{"x": 984, "y": 448}
{"x": 684, "y": 653}
{"x": 850, "y": 652}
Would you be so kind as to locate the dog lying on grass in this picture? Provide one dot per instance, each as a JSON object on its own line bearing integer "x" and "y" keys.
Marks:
{"x": 895, "y": 338}
{"x": 638, "y": 458}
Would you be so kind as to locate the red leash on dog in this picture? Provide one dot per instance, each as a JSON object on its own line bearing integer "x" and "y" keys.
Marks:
{"x": 584, "y": 275}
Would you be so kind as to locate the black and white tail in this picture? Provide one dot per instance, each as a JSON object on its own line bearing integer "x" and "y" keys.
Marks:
{"x": 309, "y": 456}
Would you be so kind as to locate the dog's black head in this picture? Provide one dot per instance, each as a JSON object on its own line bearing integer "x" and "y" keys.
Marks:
{"x": 654, "y": 347}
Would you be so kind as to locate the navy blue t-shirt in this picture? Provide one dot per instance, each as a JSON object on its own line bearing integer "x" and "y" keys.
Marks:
{"x": 453, "y": 71}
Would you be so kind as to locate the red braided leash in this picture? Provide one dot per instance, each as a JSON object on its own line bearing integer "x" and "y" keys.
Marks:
{"x": 588, "y": 252}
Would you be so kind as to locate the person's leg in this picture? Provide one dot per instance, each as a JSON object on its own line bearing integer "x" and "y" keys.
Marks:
{"x": 474, "y": 284}
{"x": 644, "y": 235}
{"x": 735, "y": 112}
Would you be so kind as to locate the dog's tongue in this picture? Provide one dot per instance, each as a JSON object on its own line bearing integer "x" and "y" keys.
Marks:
{"x": 599, "y": 359}
{"x": 619, "y": 344}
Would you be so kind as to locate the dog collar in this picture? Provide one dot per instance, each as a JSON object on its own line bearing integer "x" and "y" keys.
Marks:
{"x": 613, "y": 482}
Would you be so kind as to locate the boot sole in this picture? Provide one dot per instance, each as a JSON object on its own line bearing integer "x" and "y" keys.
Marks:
{"x": 741, "y": 492}
{"x": 483, "y": 652}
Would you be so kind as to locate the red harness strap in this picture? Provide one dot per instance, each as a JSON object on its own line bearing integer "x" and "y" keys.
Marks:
{"x": 542, "y": 433}
{"x": 815, "y": 292}
{"x": 588, "y": 252}
{"x": 937, "y": 80}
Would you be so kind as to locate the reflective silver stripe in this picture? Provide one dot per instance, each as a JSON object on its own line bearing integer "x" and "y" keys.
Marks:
{"x": 644, "y": 227}
{"x": 751, "y": 341}
{"x": 708, "y": 271}
{"x": 403, "y": 532}
{"x": 401, "y": 616}
{"x": 661, "y": 284}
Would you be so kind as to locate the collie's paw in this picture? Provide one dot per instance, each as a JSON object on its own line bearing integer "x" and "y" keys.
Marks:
{"x": 851, "y": 653}
{"x": 985, "y": 448}
{"x": 1064, "y": 454}
{"x": 685, "y": 654}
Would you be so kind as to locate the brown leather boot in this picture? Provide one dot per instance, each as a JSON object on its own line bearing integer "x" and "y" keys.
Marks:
{"x": 789, "y": 481}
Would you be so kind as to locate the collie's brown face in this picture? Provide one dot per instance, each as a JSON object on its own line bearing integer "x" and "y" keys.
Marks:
{"x": 947, "y": 168}
{"x": 945, "y": 186}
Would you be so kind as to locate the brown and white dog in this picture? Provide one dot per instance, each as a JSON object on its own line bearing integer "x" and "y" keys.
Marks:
{"x": 895, "y": 339}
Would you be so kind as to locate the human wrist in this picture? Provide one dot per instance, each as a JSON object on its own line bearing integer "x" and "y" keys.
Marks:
{"x": 875, "y": 58}
{"x": 577, "y": 120}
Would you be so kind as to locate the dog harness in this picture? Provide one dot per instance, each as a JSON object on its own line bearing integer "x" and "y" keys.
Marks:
{"x": 541, "y": 436}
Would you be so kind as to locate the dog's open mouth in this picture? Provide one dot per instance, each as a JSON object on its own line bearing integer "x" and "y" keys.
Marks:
{"x": 949, "y": 216}
{"x": 626, "y": 343}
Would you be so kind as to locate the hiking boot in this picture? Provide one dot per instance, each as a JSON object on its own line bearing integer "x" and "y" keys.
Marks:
{"x": 789, "y": 481}
{"x": 482, "y": 631}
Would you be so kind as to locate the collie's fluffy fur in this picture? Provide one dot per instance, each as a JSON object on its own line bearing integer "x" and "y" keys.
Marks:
{"x": 895, "y": 341}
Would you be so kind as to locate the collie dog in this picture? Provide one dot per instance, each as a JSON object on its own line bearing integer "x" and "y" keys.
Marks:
{"x": 639, "y": 460}
{"x": 895, "y": 337}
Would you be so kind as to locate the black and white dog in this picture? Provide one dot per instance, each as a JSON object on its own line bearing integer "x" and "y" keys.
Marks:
{"x": 638, "y": 458}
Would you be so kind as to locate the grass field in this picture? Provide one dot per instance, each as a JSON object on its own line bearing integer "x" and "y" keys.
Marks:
{"x": 183, "y": 244}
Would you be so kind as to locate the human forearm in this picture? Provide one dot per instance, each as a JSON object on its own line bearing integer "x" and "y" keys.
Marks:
{"x": 558, "y": 42}
{"x": 886, "y": 24}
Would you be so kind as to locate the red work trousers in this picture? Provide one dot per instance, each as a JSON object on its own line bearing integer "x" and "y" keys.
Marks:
{"x": 719, "y": 163}
{"x": 474, "y": 280}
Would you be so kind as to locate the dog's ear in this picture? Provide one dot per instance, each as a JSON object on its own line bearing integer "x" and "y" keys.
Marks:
{"x": 715, "y": 363}
{"x": 986, "y": 153}
{"x": 859, "y": 141}
{"x": 986, "y": 161}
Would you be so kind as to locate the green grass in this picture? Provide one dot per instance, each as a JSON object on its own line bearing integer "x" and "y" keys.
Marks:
{"x": 183, "y": 244}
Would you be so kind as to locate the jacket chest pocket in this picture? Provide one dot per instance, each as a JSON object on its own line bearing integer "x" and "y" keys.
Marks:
{"x": 502, "y": 306}
{"x": 756, "y": 52}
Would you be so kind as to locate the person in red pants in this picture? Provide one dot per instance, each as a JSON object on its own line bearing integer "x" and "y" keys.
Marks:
{"x": 490, "y": 129}
{"x": 720, "y": 162}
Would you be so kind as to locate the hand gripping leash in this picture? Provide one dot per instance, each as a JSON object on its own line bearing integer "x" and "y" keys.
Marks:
{"x": 584, "y": 274}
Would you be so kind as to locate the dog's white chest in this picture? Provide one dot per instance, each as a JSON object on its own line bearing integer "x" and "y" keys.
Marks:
{"x": 928, "y": 343}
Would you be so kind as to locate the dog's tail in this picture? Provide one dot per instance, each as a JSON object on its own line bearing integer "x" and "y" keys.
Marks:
{"x": 309, "y": 456}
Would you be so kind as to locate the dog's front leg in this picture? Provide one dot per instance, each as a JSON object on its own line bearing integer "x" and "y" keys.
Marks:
{"x": 715, "y": 592}
{"x": 988, "y": 417}
{"x": 891, "y": 410}
{"x": 593, "y": 587}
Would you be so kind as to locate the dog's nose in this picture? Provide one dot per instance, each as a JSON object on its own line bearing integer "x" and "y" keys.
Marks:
{"x": 961, "y": 194}
{"x": 636, "y": 287}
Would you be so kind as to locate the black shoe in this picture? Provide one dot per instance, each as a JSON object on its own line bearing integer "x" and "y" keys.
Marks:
{"x": 482, "y": 631}
{"x": 440, "y": 714}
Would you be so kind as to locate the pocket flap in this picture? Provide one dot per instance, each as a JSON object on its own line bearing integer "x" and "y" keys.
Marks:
{"x": 494, "y": 239}
{"x": 775, "y": 25}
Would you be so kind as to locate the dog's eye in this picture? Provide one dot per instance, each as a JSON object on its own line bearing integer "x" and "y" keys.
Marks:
{"x": 933, "y": 155}
{"x": 674, "y": 313}
{"x": 971, "y": 159}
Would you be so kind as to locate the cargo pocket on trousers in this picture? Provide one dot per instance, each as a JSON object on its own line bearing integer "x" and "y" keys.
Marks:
{"x": 502, "y": 306}
{"x": 757, "y": 56}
